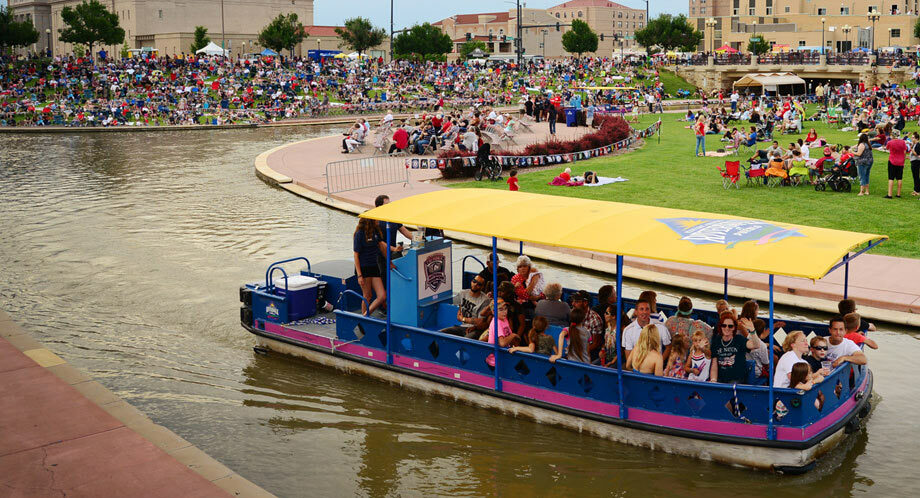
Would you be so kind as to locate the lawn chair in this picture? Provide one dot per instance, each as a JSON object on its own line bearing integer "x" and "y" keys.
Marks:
{"x": 731, "y": 174}
{"x": 382, "y": 143}
{"x": 507, "y": 135}
{"x": 755, "y": 176}
{"x": 526, "y": 122}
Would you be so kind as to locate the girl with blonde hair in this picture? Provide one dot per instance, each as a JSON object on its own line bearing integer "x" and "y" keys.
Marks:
{"x": 646, "y": 357}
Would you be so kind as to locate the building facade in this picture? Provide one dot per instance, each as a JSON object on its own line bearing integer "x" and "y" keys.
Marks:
{"x": 169, "y": 26}
{"x": 605, "y": 18}
{"x": 325, "y": 38}
{"x": 837, "y": 26}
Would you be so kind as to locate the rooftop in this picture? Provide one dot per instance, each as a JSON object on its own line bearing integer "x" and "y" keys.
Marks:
{"x": 590, "y": 3}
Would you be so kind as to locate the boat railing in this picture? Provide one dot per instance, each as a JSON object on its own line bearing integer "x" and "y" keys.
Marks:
{"x": 467, "y": 277}
{"x": 686, "y": 404}
{"x": 277, "y": 265}
{"x": 347, "y": 292}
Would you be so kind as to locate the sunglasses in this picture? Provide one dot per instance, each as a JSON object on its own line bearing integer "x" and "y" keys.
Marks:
{"x": 728, "y": 325}
{"x": 819, "y": 348}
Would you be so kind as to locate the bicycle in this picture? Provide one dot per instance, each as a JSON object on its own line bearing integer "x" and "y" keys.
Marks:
{"x": 488, "y": 166}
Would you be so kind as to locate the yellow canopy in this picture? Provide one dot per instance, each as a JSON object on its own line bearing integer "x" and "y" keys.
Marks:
{"x": 692, "y": 237}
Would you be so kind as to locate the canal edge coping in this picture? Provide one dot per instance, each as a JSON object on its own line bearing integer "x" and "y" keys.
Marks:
{"x": 133, "y": 419}
{"x": 273, "y": 178}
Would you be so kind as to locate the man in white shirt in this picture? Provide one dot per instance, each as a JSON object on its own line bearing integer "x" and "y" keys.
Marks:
{"x": 841, "y": 349}
{"x": 643, "y": 318}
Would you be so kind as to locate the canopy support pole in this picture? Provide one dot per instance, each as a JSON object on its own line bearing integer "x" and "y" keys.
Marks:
{"x": 389, "y": 280}
{"x": 498, "y": 382}
{"x": 846, "y": 274}
{"x": 771, "y": 431}
{"x": 521, "y": 248}
{"x": 619, "y": 345}
{"x": 725, "y": 285}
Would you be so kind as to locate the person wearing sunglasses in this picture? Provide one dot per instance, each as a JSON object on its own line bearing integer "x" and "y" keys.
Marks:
{"x": 729, "y": 346}
{"x": 817, "y": 356}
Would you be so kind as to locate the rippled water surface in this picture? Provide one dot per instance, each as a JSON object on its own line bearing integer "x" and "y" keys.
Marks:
{"x": 124, "y": 253}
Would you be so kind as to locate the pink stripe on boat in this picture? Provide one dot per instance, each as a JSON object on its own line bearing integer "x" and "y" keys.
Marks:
{"x": 698, "y": 424}
{"x": 802, "y": 434}
{"x": 444, "y": 371}
{"x": 540, "y": 394}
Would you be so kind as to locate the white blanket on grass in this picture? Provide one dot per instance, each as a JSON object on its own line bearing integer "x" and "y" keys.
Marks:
{"x": 606, "y": 180}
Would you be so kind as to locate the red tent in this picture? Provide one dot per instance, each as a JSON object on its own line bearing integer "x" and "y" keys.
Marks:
{"x": 727, "y": 49}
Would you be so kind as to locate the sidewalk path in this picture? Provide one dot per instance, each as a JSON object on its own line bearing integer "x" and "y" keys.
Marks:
{"x": 63, "y": 434}
{"x": 885, "y": 287}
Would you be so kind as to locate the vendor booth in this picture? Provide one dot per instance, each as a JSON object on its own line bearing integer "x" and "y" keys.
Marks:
{"x": 776, "y": 84}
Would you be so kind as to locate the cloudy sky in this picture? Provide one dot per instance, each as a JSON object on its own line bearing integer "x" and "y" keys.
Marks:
{"x": 409, "y": 12}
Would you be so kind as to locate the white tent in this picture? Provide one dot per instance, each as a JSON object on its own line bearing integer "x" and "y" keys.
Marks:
{"x": 212, "y": 49}
{"x": 776, "y": 83}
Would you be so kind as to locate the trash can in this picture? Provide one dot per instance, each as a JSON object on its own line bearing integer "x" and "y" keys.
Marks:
{"x": 571, "y": 116}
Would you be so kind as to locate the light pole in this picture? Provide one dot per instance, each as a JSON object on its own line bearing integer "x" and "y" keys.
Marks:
{"x": 544, "y": 44}
{"x": 48, "y": 34}
{"x": 873, "y": 16}
{"x": 846, "y": 38}
{"x": 823, "y": 20}
{"x": 391, "y": 30}
{"x": 223, "y": 31}
{"x": 711, "y": 24}
{"x": 889, "y": 37}
{"x": 756, "y": 41}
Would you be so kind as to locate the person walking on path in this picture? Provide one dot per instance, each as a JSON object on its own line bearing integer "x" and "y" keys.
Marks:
{"x": 700, "y": 129}
{"x": 551, "y": 117}
{"x": 897, "y": 149}
{"x": 864, "y": 162}
{"x": 915, "y": 163}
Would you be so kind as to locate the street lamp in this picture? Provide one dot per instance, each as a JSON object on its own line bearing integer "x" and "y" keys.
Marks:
{"x": 846, "y": 37}
{"x": 543, "y": 45}
{"x": 873, "y": 16}
{"x": 754, "y": 22}
{"x": 711, "y": 25}
{"x": 48, "y": 34}
{"x": 889, "y": 37}
{"x": 823, "y": 20}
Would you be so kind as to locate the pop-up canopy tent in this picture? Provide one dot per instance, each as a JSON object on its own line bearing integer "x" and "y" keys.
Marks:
{"x": 212, "y": 49}
{"x": 773, "y": 83}
{"x": 268, "y": 52}
{"x": 726, "y": 49}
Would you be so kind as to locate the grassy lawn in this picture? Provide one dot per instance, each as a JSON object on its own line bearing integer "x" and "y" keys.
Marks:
{"x": 672, "y": 82}
{"x": 668, "y": 175}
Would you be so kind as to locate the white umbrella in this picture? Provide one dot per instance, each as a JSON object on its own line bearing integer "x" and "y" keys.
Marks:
{"x": 212, "y": 49}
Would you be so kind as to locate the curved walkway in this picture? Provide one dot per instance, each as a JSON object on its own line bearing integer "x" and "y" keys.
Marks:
{"x": 887, "y": 288}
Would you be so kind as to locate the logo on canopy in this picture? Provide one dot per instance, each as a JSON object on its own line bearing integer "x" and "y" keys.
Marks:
{"x": 728, "y": 232}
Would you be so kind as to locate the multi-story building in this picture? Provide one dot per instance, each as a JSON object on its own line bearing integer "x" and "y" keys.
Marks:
{"x": 166, "y": 25}
{"x": 605, "y": 18}
{"x": 838, "y": 26}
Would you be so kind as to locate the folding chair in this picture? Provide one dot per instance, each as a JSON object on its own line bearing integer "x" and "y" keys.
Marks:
{"x": 731, "y": 174}
{"x": 755, "y": 176}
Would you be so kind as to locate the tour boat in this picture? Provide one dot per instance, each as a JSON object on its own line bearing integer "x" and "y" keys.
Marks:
{"x": 762, "y": 427}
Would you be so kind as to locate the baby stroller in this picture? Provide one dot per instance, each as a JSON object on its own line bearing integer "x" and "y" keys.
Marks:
{"x": 488, "y": 166}
{"x": 838, "y": 178}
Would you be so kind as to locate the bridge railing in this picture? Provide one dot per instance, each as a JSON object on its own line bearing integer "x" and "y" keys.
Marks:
{"x": 855, "y": 59}
{"x": 732, "y": 59}
{"x": 806, "y": 58}
{"x": 354, "y": 174}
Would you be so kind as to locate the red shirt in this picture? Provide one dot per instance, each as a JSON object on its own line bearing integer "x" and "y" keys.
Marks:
{"x": 897, "y": 148}
{"x": 401, "y": 137}
{"x": 512, "y": 183}
{"x": 856, "y": 337}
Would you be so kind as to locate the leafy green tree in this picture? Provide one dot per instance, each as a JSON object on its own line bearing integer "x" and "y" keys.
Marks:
{"x": 90, "y": 23}
{"x": 283, "y": 32}
{"x": 469, "y": 47}
{"x": 917, "y": 29}
{"x": 125, "y": 53}
{"x": 758, "y": 46}
{"x": 359, "y": 35}
{"x": 670, "y": 32}
{"x": 13, "y": 33}
{"x": 422, "y": 40}
{"x": 580, "y": 39}
{"x": 201, "y": 39}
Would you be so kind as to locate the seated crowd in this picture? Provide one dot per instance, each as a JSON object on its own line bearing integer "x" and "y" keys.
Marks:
{"x": 679, "y": 346}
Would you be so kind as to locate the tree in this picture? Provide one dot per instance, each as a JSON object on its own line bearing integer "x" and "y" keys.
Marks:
{"x": 757, "y": 45}
{"x": 469, "y": 47}
{"x": 282, "y": 33}
{"x": 670, "y": 32}
{"x": 423, "y": 40}
{"x": 579, "y": 39}
{"x": 90, "y": 23}
{"x": 201, "y": 39}
{"x": 359, "y": 35}
{"x": 13, "y": 33}
{"x": 917, "y": 29}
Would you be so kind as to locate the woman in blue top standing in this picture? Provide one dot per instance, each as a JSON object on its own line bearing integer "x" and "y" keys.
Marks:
{"x": 368, "y": 243}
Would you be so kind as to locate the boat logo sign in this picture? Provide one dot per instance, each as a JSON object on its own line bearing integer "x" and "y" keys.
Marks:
{"x": 728, "y": 232}
{"x": 434, "y": 271}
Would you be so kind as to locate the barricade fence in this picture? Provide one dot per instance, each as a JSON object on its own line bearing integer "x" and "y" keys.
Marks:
{"x": 354, "y": 174}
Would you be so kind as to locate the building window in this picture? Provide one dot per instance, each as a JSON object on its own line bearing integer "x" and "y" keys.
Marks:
{"x": 895, "y": 32}
{"x": 640, "y": 15}
{"x": 873, "y": 8}
{"x": 619, "y": 24}
{"x": 787, "y": 9}
{"x": 160, "y": 13}
{"x": 844, "y": 11}
{"x": 557, "y": 15}
{"x": 702, "y": 10}
{"x": 693, "y": 10}
{"x": 579, "y": 14}
{"x": 751, "y": 11}
{"x": 619, "y": 15}
{"x": 641, "y": 25}
{"x": 822, "y": 12}
{"x": 769, "y": 11}
{"x": 801, "y": 43}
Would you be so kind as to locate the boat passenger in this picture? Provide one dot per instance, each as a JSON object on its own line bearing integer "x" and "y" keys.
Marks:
{"x": 840, "y": 349}
{"x": 681, "y": 323}
{"x": 852, "y": 322}
{"x": 368, "y": 243}
{"x": 552, "y": 308}
{"x": 470, "y": 304}
{"x": 722, "y": 307}
{"x": 758, "y": 359}
{"x": 538, "y": 341}
{"x": 652, "y": 298}
{"x": 646, "y": 357}
{"x": 795, "y": 346}
{"x": 515, "y": 312}
{"x": 817, "y": 355}
{"x": 578, "y": 340}
{"x": 846, "y": 306}
{"x": 608, "y": 355}
{"x": 680, "y": 346}
{"x": 643, "y": 318}
{"x": 593, "y": 323}
{"x": 606, "y": 296}
{"x": 728, "y": 352}
{"x": 506, "y": 337}
{"x": 504, "y": 274}
{"x": 528, "y": 282}
{"x": 699, "y": 360}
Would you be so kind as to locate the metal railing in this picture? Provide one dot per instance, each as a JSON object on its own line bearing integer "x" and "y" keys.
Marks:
{"x": 809, "y": 58}
{"x": 848, "y": 59}
{"x": 354, "y": 174}
{"x": 731, "y": 59}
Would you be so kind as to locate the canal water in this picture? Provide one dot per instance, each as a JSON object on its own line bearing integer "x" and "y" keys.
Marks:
{"x": 124, "y": 253}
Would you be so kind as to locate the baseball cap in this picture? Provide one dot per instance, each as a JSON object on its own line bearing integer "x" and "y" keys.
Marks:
{"x": 581, "y": 295}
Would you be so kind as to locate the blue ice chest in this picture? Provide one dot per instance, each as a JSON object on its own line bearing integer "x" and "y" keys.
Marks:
{"x": 300, "y": 294}
{"x": 571, "y": 116}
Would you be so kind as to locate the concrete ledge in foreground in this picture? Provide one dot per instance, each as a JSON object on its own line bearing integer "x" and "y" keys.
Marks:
{"x": 64, "y": 434}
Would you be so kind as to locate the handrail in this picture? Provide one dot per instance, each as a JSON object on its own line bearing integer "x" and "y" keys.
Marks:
{"x": 268, "y": 282}
{"x": 349, "y": 291}
{"x": 394, "y": 270}
{"x": 463, "y": 264}
{"x": 276, "y": 263}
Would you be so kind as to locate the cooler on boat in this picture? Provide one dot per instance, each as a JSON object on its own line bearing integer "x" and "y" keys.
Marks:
{"x": 301, "y": 295}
